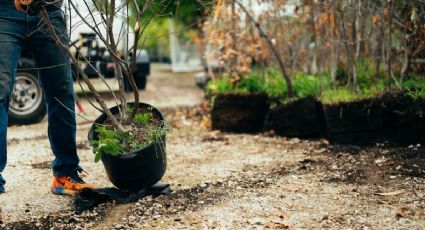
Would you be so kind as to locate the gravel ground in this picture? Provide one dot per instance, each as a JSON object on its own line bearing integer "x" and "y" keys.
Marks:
{"x": 225, "y": 181}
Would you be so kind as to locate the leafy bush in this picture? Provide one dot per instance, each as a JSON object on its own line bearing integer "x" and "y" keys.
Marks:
{"x": 271, "y": 82}
{"x": 306, "y": 85}
{"x": 414, "y": 88}
{"x": 110, "y": 142}
{"x": 251, "y": 83}
{"x": 144, "y": 131}
{"x": 275, "y": 85}
{"x": 365, "y": 73}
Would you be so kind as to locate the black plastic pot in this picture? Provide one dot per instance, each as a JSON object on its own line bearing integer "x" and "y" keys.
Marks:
{"x": 300, "y": 118}
{"x": 412, "y": 126}
{"x": 137, "y": 170}
{"x": 404, "y": 118}
{"x": 359, "y": 122}
{"x": 241, "y": 113}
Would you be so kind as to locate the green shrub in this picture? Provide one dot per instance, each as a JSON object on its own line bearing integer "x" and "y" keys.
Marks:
{"x": 271, "y": 82}
{"x": 274, "y": 85}
{"x": 223, "y": 85}
{"x": 109, "y": 142}
{"x": 142, "y": 119}
{"x": 144, "y": 131}
{"x": 255, "y": 82}
{"x": 306, "y": 85}
{"x": 365, "y": 73}
{"x": 414, "y": 88}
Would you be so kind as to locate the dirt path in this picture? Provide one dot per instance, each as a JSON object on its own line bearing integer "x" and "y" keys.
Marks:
{"x": 229, "y": 181}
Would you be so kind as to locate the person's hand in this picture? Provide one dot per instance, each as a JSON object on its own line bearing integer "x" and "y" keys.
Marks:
{"x": 19, "y": 3}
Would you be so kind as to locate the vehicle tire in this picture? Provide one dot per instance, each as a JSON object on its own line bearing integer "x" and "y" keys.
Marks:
{"x": 141, "y": 82}
{"x": 27, "y": 105}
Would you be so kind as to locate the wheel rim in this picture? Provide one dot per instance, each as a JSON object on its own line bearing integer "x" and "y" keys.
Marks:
{"x": 27, "y": 95}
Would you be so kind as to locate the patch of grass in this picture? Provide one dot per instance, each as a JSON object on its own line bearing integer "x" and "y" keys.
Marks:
{"x": 414, "y": 88}
{"x": 271, "y": 82}
{"x": 335, "y": 96}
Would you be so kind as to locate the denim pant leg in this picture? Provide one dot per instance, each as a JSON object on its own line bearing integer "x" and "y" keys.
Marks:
{"x": 12, "y": 33}
{"x": 56, "y": 79}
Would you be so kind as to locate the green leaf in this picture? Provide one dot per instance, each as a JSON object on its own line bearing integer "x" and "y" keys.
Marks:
{"x": 97, "y": 156}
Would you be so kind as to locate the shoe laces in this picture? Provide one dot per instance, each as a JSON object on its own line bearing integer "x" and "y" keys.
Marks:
{"x": 76, "y": 177}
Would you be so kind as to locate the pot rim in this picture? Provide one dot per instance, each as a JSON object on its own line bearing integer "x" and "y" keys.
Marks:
{"x": 101, "y": 118}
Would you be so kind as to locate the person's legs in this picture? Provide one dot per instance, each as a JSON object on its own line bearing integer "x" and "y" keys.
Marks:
{"x": 12, "y": 31}
{"x": 56, "y": 79}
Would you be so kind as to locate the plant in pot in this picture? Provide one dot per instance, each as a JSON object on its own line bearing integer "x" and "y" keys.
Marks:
{"x": 239, "y": 99}
{"x": 353, "y": 117}
{"x": 302, "y": 115}
{"x": 403, "y": 113}
{"x": 365, "y": 113}
{"x": 375, "y": 113}
{"x": 128, "y": 138}
{"x": 238, "y": 107}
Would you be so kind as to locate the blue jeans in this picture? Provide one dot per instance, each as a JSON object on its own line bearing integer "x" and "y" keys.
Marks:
{"x": 18, "y": 31}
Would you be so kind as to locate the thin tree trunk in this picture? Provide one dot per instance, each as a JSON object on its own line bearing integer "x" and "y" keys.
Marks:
{"x": 389, "y": 45}
{"x": 350, "y": 55}
{"x": 272, "y": 49}
{"x": 50, "y": 28}
{"x": 234, "y": 71}
{"x": 358, "y": 29}
{"x": 379, "y": 49}
{"x": 406, "y": 61}
{"x": 313, "y": 40}
{"x": 334, "y": 60}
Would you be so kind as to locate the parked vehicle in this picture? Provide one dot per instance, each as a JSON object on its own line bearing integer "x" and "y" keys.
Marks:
{"x": 95, "y": 59}
{"x": 27, "y": 101}
{"x": 27, "y": 105}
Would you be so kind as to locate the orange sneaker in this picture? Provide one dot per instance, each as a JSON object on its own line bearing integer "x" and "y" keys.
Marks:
{"x": 69, "y": 185}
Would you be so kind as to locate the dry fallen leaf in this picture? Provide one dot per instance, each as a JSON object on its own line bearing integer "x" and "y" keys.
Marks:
{"x": 401, "y": 212}
{"x": 394, "y": 193}
{"x": 275, "y": 225}
{"x": 206, "y": 122}
{"x": 422, "y": 215}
